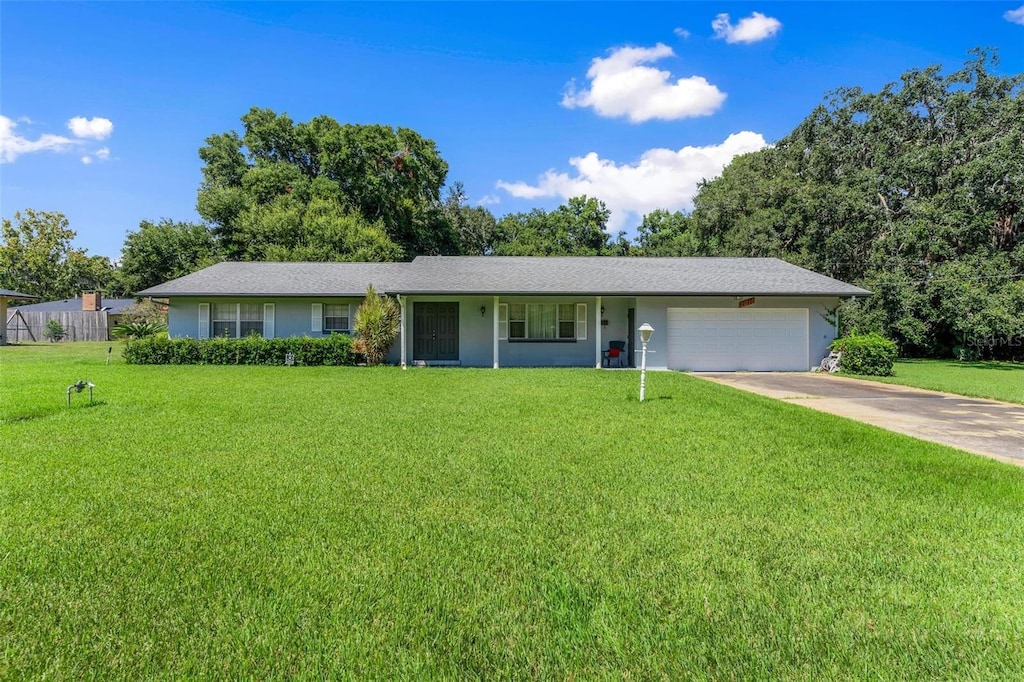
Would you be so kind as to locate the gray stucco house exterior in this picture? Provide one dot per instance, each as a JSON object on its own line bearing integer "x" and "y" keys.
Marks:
{"x": 709, "y": 314}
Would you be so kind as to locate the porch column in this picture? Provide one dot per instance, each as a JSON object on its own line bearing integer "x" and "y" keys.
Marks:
{"x": 401, "y": 328}
{"x": 597, "y": 332}
{"x": 494, "y": 305}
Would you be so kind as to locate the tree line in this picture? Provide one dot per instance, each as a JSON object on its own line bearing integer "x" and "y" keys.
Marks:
{"x": 915, "y": 192}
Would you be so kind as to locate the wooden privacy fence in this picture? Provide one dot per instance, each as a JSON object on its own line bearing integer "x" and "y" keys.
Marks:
{"x": 79, "y": 325}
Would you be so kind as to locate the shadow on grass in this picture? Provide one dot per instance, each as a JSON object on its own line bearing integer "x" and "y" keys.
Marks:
{"x": 42, "y": 414}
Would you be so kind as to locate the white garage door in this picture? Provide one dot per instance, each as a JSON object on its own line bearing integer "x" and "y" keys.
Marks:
{"x": 711, "y": 340}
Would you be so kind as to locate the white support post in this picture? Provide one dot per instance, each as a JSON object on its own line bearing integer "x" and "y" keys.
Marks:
{"x": 494, "y": 310}
{"x": 597, "y": 333}
{"x": 401, "y": 327}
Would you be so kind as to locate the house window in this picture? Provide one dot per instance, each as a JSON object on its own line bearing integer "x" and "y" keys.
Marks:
{"x": 517, "y": 321}
{"x": 224, "y": 320}
{"x": 236, "y": 320}
{"x": 566, "y": 321}
{"x": 250, "y": 316}
{"x": 542, "y": 321}
{"x": 336, "y": 318}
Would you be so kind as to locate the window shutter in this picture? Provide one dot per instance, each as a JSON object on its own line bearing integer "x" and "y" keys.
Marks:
{"x": 317, "y": 318}
{"x": 581, "y": 321}
{"x": 351, "y": 317}
{"x": 204, "y": 321}
{"x": 268, "y": 320}
{"x": 503, "y": 321}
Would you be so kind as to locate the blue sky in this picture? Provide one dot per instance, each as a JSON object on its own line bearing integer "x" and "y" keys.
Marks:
{"x": 103, "y": 106}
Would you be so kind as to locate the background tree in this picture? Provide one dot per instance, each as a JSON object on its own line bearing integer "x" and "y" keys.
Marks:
{"x": 145, "y": 311}
{"x": 662, "y": 233}
{"x": 320, "y": 230}
{"x": 36, "y": 257}
{"x": 915, "y": 192}
{"x": 390, "y": 178}
{"x": 158, "y": 252}
{"x": 573, "y": 229}
{"x": 474, "y": 226}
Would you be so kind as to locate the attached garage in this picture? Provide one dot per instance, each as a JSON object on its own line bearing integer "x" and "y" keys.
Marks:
{"x": 723, "y": 340}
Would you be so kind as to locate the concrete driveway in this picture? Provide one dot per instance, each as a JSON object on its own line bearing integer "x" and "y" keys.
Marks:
{"x": 984, "y": 427}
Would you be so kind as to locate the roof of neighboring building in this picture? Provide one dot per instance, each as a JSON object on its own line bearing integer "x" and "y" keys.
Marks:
{"x": 499, "y": 275}
{"x": 114, "y": 306}
{"x": 11, "y": 294}
{"x": 283, "y": 279}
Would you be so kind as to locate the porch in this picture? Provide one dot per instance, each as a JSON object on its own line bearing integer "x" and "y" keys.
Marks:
{"x": 514, "y": 331}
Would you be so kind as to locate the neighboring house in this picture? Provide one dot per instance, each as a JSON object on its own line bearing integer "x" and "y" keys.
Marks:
{"x": 5, "y": 296}
{"x": 712, "y": 314}
{"x": 88, "y": 318}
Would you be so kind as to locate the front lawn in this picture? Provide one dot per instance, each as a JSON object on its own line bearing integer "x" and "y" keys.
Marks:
{"x": 291, "y": 522}
{"x": 982, "y": 379}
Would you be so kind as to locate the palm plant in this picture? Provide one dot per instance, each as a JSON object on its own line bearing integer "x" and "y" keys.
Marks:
{"x": 377, "y": 322}
{"x": 137, "y": 330}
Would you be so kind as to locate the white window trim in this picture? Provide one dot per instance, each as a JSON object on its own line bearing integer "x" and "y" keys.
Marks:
{"x": 503, "y": 321}
{"x": 581, "y": 321}
{"x": 204, "y": 321}
{"x": 268, "y": 320}
{"x": 316, "y": 318}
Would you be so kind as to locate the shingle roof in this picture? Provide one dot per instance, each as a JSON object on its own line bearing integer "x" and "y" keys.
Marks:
{"x": 618, "y": 276}
{"x": 12, "y": 294}
{"x": 110, "y": 305}
{"x": 283, "y": 279}
{"x": 510, "y": 276}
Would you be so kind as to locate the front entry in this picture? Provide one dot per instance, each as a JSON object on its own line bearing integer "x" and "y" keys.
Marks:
{"x": 435, "y": 331}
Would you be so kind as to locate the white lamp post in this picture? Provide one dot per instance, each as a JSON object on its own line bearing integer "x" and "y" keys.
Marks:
{"x": 645, "y": 335}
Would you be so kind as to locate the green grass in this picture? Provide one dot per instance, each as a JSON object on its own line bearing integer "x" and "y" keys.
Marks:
{"x": 982, "y": 379}
{"x": 275, "y": 522}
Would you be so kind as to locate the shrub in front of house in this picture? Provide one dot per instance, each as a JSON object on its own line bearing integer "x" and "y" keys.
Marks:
{"x": 253, "y": 350}
{"x": 868, "y": 354}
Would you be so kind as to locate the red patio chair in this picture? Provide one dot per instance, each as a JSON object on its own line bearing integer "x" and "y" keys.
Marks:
{"x": 616, "y": 351}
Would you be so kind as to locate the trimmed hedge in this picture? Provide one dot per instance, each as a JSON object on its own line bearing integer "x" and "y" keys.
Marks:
{"x": 252, "y": 350}
{"x": 869, "y": 354}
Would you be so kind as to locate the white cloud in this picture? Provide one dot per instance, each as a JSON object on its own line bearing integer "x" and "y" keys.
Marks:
{"x": 103, "y": 154}
{"x": 750, "y": 30}
{"x": 621, "y": 86}
{"x": 13, "y": 145}
{"x": 1015, "y": 15}
{"x": 662, "y": 178}
{"x": 681, "y": 32}
{"x": 93, "y": 128}
{"x": 489, "y": 200}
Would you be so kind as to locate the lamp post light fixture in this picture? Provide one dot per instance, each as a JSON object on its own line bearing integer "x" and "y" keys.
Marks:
{"x": 645, "y": 335}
